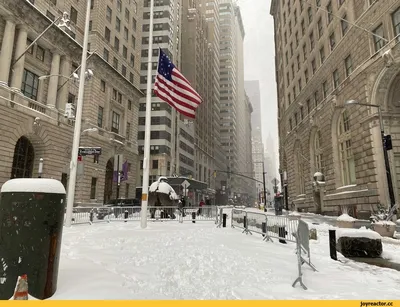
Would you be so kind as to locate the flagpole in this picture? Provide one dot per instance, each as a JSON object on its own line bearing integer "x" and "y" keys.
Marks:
{"x": 146, "y": 155}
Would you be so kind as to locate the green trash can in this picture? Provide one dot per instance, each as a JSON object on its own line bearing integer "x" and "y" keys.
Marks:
{"x": 31, "y": 224}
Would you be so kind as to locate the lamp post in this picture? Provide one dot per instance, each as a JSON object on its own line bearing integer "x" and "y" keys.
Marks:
{"x": 264, "y": 187}
{"x": 384, "y": 147}
{"x": 78, "y": 122}
{"x": 285, "y": 186}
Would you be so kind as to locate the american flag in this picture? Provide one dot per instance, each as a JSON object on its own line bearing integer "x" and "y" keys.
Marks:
{"x": 172, "y": 87}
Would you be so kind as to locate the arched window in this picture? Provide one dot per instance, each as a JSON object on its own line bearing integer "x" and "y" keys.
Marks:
{"x": 23, "y": 159}
{"x": 347, "y": 165}
{"x": 318, "y": 153}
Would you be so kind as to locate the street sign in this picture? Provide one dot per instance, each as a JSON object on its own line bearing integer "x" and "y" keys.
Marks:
{"x": 275, "y": 181}
{"x": 185, "y": 184}
{"x": 89, "y": 151}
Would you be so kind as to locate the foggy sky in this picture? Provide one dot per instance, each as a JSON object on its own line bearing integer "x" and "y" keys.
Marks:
{"x": 259, "y": 61}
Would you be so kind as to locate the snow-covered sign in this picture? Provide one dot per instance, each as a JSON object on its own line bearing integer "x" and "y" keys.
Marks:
{"x": 275, "y": 181}
{"x": 40, "y": 185}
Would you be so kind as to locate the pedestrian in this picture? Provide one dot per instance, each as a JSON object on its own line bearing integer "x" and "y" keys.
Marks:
{"x": 201, "y": 205}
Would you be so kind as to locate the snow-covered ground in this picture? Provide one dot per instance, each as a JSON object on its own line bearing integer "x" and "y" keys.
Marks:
{"x": 169, "y": 260}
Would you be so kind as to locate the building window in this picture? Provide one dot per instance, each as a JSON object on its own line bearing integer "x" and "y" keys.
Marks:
{"x": 50, "y": 15}
{"x": 100, "y": 113}
{"x": 332, "y": 41}
{"x": 310, "y": 15}
{"x": 115, "y": 63}
{"x": 313, "y": 66}
{"x": 117, "y": 24}
{"x": 305, "y": 52}
{"x": 324, "y": 89}
{"x": 301, "y": 113}
{"x": 312, "y": 43}
{"x": 107, "y": 34}
{"x": 336, "y": 79}
{"x": 102, "y": 85}
{"x": 28, "y": 43}
{"x": 306, "y": 75}
{"x": 93, "y": 188}
{"x": 347, "y": 164}
{"x": 106, "y": 55}
{"x": 318, "y": 152}
{"x": 119, "y": 5}
{"x": 30, "y": 84}
{"x": 379, "y": 34}
{"x": 303, "y": 28}
{"x": 73, "y": 16}
{"x": 316, "y": 99}
{"x": 344, "y": 24}
{"x": 109, "y": 13}
{"x": 128, "y": 131}
{"x": 123, "y": 71}
{"x": 40, "y": 53}
{"x": 131, "y": 77}
{"x": 322, "y": 54}
{"x": 155, "y": 164}
{"x": 132, "y": 61}
{"x": 116, "y": 43}
{"x": 127, "y": 14}
{"x": 133, "y": 42}
{"x": 396, "y": 23}
{"x": 134, "y": 24}
{"x": 129, "y": 105}
{"x": 329, "y": 11}
{"x": 115, "y": 122}
{"x": 299, "y": 170}
{"x": 290, "y": 124}
{"x": 320, "y": 28}
{"x": 348, "y": 63}
{"x": 127, "y": 190}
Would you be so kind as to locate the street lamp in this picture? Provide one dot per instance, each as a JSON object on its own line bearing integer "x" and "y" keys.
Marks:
{"x": 78, "y": 122}
{"x": 264, "y": 188}
{"x": 74, "y": 77}
{"x": 384, "y": 146}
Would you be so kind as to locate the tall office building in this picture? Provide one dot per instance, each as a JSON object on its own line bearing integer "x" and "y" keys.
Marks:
{"x": 232, "y": 94}
{"x": 252, "y": 88}
{"x": 200, "y": 64}
{"x": 37, "y": 86}
{"x": 172, "y": 139}
{"x": 347, "y": 51}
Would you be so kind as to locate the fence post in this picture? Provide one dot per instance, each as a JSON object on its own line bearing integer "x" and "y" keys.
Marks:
{"x": 91, "y": 216}
{"x": 126, "y": 214}
{"x": 282, "y": 234}
{"x": 332, "y": 244}
{"x": 224, "y": 216}
{"x": 264, "y": 228}
{"x": 245, "y": 224}
{"x": 193, "y": 217}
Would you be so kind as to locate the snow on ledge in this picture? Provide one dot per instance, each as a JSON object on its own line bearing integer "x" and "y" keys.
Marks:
{"x": 26, "y": 185}
{"x": 346, "y": 218}
{"x": 357, "y": 233}
{"x": 386, "y": 223}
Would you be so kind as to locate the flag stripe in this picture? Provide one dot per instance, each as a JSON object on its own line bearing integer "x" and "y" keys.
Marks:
{"x": 178, "y": 107}
{"x": 184, "y": 82}
{"x": 165, "y": 93}
{"x": 170, "y": 87}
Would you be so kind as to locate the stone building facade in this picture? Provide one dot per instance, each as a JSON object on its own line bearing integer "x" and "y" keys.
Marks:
{"x": 33, "y": 125}
{"x": 327, "y": 53}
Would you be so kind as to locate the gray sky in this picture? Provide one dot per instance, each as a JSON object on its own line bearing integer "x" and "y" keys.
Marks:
{"x": 259, "y": 60}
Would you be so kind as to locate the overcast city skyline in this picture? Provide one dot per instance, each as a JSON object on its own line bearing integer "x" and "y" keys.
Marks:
{"x": 259, "y": 58}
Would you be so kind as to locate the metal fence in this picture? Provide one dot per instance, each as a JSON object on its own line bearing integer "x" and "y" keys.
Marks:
{"x": 282, "y": 227}
{"x": 285, "y": 228}
{"x": 85, "y": 215}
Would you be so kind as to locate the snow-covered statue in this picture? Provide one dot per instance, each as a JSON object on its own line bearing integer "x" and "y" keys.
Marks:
{"x": 162, "y": 194}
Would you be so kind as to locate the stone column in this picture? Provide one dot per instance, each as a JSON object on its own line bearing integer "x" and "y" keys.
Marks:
{"x": 63, "y": 84}
{"x": 18, "y": 68}
{"x": 6, "y": 52}
{"x": 53, "y": 83}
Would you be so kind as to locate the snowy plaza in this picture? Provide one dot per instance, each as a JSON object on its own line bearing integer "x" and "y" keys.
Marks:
{"x": 188, "y": 261}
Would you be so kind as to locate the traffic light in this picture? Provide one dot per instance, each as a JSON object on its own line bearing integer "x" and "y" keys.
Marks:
{"x": 387, "y": 142}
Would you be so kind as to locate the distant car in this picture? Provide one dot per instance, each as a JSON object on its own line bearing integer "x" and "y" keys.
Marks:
{"x": 108, "y": 208}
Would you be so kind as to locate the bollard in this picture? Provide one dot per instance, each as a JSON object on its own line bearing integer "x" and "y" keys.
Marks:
{"x": 264, "y": 228}
{"x": 224, "y": 216}
{"x": 91, "y": 216}
{"x": 193, "y": 217}
{"x": 126, "y": 214}
{"x": 245, "y": 222}
{"x": 332, "y": 244}
{"x": 282, "y": 234}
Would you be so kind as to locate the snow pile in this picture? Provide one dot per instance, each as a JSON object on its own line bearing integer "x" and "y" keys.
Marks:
{"x": 357, "y": 233}
{"x": 39, "y": 185}
{"x": 163, "y": 187}
{"x": 385, "y": 223}
{"x": 295, "y": 213}
{"x": 346, "y": 218}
